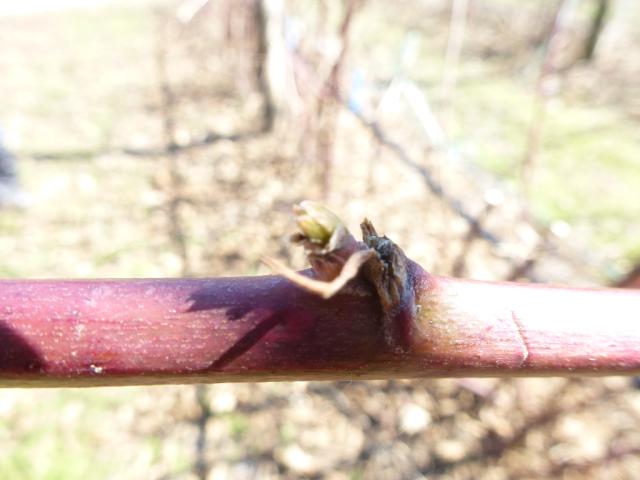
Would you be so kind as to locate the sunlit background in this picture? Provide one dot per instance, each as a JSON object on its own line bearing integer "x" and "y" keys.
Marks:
{"x": 495, "y": 140}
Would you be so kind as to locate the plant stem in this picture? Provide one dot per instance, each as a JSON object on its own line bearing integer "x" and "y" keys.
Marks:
{"x": 125, "y": 332}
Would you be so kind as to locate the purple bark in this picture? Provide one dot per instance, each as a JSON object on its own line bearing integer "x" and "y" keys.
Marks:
{"x": 119, "y": 332}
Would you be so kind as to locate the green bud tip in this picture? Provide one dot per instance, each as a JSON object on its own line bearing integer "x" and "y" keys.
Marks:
{"x": 316, "y": 221}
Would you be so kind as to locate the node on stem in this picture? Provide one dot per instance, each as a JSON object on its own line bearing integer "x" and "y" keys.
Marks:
{"x": 337, "y": 258}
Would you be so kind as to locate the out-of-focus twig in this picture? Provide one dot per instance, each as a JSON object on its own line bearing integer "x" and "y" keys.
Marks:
{"x": 326, "y": 109}
{"x": 595, "y": 29}
{"x": 545, "y": 88}
{"x": 401, "y": 154}
{"x": 260, "y": 57}
{"x": 434, "y": 186}
{"x": 631, "y": 279}
{"x": 459, "y": 265}
{"x": 167, "y": 109}
{"x": 457, "y": 27}
{"x": 201, "y": 465}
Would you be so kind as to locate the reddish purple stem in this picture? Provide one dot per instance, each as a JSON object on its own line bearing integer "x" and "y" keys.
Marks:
{"x": 117, "y": 332}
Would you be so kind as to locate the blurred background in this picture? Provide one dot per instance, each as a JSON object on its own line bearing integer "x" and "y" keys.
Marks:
{"x": 492, "y": 139}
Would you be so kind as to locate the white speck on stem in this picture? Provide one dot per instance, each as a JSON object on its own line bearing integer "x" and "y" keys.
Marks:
{"x": 96, "y": 369}
{"x": 79, "y": 329}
